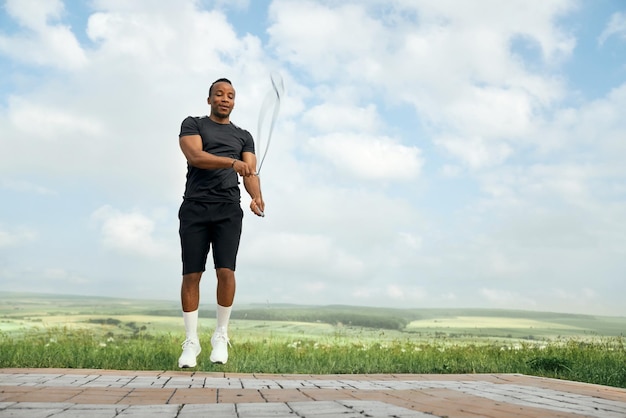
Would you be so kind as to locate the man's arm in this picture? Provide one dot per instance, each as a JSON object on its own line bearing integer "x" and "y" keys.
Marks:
{"x": 191, "y": 145}
{"x": 253, "y": 185}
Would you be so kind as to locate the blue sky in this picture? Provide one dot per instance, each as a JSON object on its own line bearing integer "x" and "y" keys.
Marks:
{"x": 427, "y": 154}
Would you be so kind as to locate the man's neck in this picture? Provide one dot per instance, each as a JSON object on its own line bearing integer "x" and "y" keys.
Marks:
{"x": 220, "y": 120}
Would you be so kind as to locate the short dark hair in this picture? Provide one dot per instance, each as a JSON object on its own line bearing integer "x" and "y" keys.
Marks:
{"x": 219, "y": 80}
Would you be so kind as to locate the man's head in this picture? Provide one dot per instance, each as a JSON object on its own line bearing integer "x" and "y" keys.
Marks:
{"x": 221, "y": 99}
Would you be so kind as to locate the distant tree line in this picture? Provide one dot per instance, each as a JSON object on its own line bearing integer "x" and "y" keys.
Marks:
{"x": 382, "y": 319}
{"x": 328, "y": 316}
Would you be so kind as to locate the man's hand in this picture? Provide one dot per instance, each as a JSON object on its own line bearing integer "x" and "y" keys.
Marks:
{"x": 252, "y": 182}
{"x": 243, "y": 169}
{"x": 257, "y": 206}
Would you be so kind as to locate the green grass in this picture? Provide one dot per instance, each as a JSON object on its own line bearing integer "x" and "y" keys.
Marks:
{"x": 601, "y": 362}
{"x": 45, "y": 331}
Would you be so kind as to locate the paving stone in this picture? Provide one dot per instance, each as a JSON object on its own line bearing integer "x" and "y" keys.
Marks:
{"x": 238, "y": 396}
{"x": 83, "y": 414}
{"x": 283, "y": 395}
{"x": 325, "y": 409}
{"x": 211, "y": 410}
{"x": 223, "y": 383}
{"x": 179, "y": 382}
{"x": 194, "y": 396}
{"x": 381, "y": 409}
{"x": 91, "y": 411}
{"x": 289, "y": 384}
{"x": 264, "y": 410}
{"x": 32, "y": 410}
{"x": 260, "y": 384}
{"x": 549, "y": 399}
{"x": 69, "y": 393}
{"x": 98, "y": 407}
{"x": 151, "y": 411}
{"x": 28, "y": 413}
{"x": 41, "y": 405}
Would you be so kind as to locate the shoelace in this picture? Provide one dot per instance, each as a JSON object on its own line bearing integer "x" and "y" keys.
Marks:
{"x": 188, "y": 343}
{"x": 223, "y": 337}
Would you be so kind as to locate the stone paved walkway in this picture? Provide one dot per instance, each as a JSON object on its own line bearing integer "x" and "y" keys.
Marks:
{"x": 69, "y": 393}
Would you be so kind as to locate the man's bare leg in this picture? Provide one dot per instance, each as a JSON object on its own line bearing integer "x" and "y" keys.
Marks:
{"x": 190, "y": 300}
{"x": 190, "y": 292}
{"x": 225, "y": 296}
{"x": 225, "y": 286}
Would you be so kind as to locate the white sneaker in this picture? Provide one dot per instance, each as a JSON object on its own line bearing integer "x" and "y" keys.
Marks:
{"x": 191, "y": 349}
{"x": 220, "y": 343}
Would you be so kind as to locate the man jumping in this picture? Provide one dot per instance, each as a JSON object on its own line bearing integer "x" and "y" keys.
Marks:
{"x": 217, "y": 151}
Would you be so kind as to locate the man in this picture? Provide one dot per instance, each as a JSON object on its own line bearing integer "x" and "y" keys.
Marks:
{"x": 211, "y": 216}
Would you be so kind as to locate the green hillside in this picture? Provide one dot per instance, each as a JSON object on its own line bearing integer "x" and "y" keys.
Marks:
{"x": 20, "y": 311}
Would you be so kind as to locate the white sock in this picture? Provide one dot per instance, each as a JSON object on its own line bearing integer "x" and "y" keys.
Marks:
{"x": 223, "y": 316}
{"x": 191, "y": 324}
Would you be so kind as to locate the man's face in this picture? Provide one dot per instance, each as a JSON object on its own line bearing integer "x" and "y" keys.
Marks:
{"x": 222, "y": 99}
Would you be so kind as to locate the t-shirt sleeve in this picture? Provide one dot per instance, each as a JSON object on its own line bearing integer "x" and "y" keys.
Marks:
{"x": 248, "y": 146}
{"x": 189, "y": 127}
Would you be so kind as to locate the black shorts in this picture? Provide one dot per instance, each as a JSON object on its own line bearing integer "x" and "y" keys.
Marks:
{"x": 204, "y": 225}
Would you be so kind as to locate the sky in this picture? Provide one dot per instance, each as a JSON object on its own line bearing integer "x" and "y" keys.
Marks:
{"x": 426, "y": 155}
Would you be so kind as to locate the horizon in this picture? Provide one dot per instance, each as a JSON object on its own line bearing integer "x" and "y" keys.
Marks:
{"x": 204, "y": 305}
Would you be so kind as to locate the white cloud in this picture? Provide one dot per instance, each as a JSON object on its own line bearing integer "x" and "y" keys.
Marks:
{"x": 516, "y": 17}
{"x": 506, "y": 298}
{"x": 411, "y": 240}
{"x": 61, "y": 275}
{"x": 577, "y": 295}
{"x": 44, "y": 43}
{"x": 332, "y": 117}
{"x": 26, "y": 187}
{"x": 130, "y": 233}
{"x": 452, "y": 62}
{"x": 340, "y": 41}
{"x": 234, "y": 4}
{"x": 476, "y": 152}
{"x": 616, "y": 26}
{"x": 308, "y": 253}
{"x": 50, "y": 122}
{"x": 406, "y": 293}
{"x": 316, "y": 288}
{"x": 16, "y": 236}
{"x": 34, "y": 14}
{"x": 368, "y": 157}
{"x": 591, "y": 131}
{"x": 395, "y": 292}
{"x": 136, "y": 34}
{"x": 492, "y": 112}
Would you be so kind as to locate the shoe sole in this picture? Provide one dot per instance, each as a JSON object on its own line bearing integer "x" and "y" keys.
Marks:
{"x": 187, "y": 366}
{"x": 218, "y": 361}
{"x": 190, "y": 365}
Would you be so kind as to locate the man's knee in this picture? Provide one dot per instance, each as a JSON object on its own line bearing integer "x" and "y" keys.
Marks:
{"x": 225, "y": 274}
{"x": 192, "y": 278}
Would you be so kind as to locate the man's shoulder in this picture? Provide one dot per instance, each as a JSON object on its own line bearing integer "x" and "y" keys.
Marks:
{"x": 194, "y": 119}
{"x": 237, "y": 128}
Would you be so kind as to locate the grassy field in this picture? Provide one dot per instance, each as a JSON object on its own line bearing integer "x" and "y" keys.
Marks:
{"x": 21, "y": 312}
{"x": 92, "y": 332}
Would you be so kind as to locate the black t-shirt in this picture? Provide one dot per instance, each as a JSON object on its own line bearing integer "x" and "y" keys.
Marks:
{"x": 224, "y": 140}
